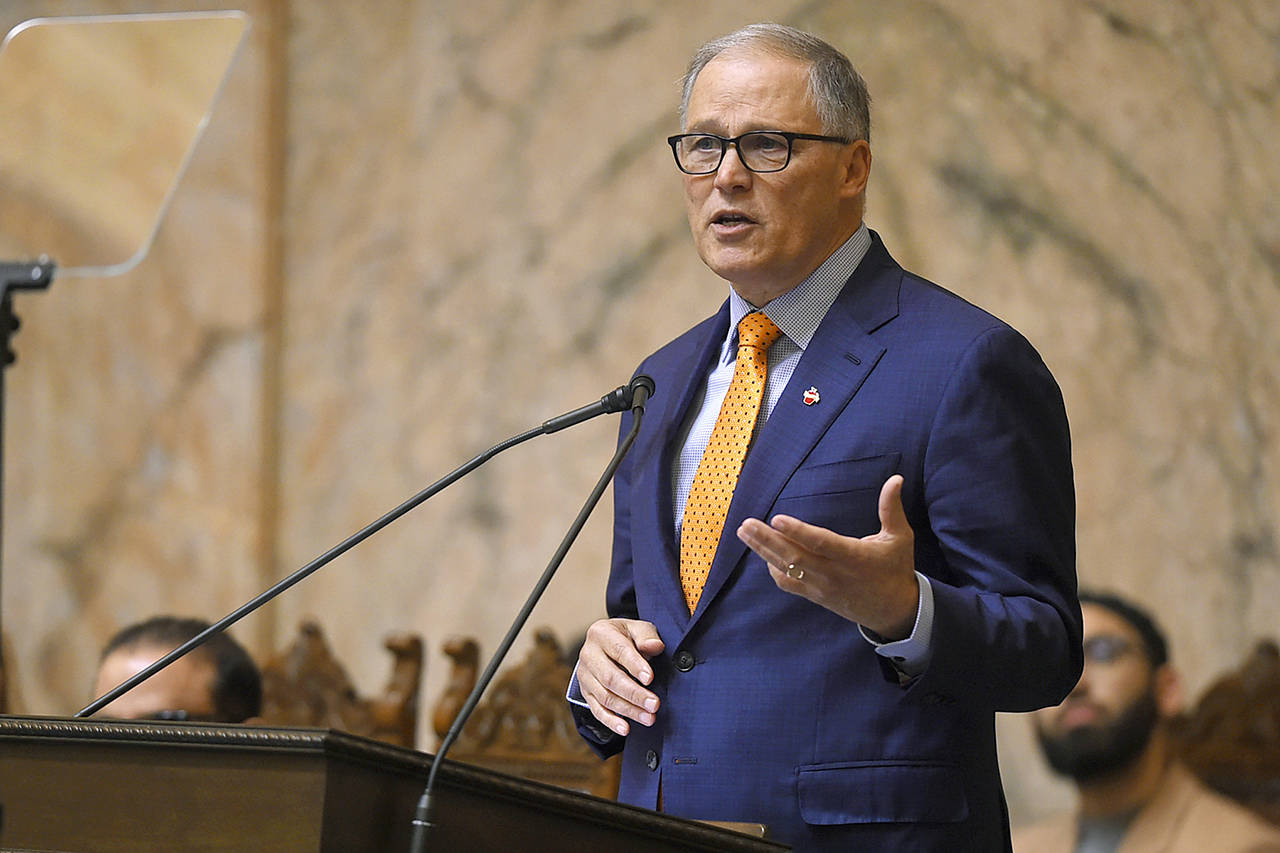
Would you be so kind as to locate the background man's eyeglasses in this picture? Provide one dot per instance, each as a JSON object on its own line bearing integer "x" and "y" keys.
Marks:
{"x": 759, "y": 150}
{"x": 1104, "y": 648}
{"x": 181, "y": 715}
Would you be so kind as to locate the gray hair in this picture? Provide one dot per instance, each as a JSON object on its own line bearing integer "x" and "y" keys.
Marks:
{"x": 838, "y": 92}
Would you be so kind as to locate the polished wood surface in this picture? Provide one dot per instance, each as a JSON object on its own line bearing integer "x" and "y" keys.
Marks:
{"x": 140, "y": 787}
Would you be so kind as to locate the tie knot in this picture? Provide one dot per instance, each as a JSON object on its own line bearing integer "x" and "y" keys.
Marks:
{"x": 757, "y": 330}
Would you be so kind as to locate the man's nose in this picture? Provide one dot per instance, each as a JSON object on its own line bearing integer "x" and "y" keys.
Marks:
{"x": 732, "y": 174}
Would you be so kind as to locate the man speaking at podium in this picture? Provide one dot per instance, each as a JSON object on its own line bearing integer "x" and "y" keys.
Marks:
{"x": 844, "y": 537}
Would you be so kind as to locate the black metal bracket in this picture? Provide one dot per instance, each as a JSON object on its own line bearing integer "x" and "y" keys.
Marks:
{"x": 15, "y": 276}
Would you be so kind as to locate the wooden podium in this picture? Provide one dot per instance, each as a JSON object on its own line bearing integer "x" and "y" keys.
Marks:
{"x": 85, "y": 785}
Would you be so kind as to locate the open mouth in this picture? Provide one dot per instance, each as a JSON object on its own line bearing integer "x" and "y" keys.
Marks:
{"x": 730, "y": 219}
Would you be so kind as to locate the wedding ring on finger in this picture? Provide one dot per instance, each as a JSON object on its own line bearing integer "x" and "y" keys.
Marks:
{"x": 794, "y": 571}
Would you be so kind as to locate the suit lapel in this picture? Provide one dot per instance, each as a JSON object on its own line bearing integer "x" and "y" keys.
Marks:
{"x": 678, "y": 376}
{"x": 837, "y": 361}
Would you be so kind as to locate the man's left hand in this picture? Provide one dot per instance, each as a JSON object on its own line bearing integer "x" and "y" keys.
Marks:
{"x": 870, "y": 581}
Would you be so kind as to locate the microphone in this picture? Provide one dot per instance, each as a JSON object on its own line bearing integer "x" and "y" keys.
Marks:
{"x": 636, "y": 394}
{"x": 614, "y": 398}
{"x": 620, "y": 399}
{"x": 642, "y": 389}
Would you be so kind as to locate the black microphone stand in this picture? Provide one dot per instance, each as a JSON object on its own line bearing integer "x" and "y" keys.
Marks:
{"x": 14, "y": 276}
{"x": 641, "y": 388}
{"x": 618, "y": 400}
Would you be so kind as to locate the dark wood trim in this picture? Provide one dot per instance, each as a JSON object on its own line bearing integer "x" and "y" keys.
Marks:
{"x": 142, "y": 786}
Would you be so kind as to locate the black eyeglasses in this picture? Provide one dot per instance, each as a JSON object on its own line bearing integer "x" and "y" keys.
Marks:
{"x": 759, "y": 150}
{"x": 180, "y": 715}
{"x": 1105, "y": 648}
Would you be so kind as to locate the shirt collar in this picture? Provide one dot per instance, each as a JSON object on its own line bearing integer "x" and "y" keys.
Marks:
{"x": 800, "y": 310}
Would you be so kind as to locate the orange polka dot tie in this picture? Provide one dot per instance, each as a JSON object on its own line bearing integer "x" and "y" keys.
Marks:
{"x": 713, "y": 484}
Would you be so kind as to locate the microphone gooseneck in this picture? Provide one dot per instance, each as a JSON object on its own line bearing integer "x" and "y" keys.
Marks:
{"x": 615, "y": 399}
{"x": 635, "y": 395}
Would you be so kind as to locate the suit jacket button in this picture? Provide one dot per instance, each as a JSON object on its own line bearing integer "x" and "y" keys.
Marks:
{"x": 684, "y": 660}
{"x": 651, "y": 760}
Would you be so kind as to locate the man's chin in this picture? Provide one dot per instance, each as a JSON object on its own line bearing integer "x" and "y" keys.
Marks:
{"x": 1086, "y": 753}
{"x": 731, "y": 263}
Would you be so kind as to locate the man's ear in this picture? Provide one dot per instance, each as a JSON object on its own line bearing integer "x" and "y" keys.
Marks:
{"x": 857, "y": 165}
{"x": 1167, "y": 687}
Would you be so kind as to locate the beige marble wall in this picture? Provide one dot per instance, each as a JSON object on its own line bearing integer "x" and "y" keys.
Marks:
{"x": 132, "y": 443}
{"x": 480, "y": 228}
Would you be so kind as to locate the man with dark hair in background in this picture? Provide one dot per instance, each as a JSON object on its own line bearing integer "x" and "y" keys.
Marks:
{"x": 1111, "y": 736}
{"x": 216, "y": 682}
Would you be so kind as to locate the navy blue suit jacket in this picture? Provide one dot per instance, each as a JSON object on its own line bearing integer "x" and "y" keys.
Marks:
{"x": 777, "y": 711}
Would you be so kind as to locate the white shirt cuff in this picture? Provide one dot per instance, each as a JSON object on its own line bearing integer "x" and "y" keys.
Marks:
{"x": 574, "y": 693}
{"x": 911, "y": 655}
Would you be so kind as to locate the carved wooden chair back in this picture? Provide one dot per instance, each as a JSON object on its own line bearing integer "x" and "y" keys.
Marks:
{"x": 523, "y": 725}
{"x": 305, "y": 685}
{"x": 1231, "y": 738}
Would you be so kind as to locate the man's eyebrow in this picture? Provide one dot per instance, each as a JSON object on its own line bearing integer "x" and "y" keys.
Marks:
{"x": 713, "y": 126}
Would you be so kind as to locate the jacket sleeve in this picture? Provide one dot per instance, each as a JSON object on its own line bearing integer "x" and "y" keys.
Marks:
{"x": 999, "y": 538}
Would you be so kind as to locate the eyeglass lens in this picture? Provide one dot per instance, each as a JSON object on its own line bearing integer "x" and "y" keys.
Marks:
{"x": 1105, "y": 648}
{"x": 760, "y": 151}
